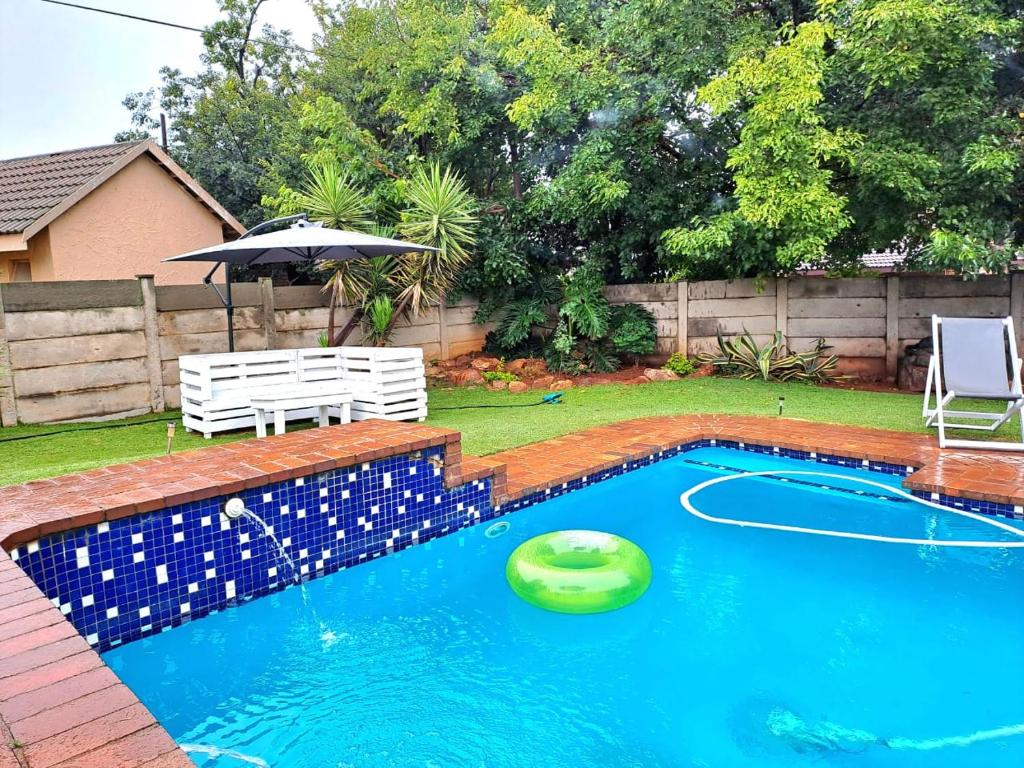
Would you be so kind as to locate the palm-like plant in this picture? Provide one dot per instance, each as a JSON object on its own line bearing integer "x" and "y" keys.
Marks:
{"x": 329, "y": 196}
{"x": 441, "y": 213}
{"x": 379, "y": 319}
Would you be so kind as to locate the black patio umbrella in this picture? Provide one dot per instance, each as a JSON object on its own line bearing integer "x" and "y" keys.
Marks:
{"x": 304, "y": 241}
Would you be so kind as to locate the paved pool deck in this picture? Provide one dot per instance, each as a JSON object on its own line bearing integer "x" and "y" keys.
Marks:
{"x": 60, "y": 705}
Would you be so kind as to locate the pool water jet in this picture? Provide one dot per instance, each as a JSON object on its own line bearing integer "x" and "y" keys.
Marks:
{"x": 235, "y": 509}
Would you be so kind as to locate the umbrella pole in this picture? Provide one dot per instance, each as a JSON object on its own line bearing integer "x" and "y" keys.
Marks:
{"x": 225, "y": 298}
{"x": 229, "y": 306}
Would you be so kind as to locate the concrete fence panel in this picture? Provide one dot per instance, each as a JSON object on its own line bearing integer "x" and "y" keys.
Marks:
{"x": 100, "y": 349}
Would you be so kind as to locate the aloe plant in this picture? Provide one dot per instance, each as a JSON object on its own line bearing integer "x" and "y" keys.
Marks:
{"x": 774, "y": 361}
{"x": 378, "y": 320}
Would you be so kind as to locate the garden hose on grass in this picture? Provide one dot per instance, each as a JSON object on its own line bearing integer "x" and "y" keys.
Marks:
{"x": 80, "y": 429}
{"x": 553, "y": 398}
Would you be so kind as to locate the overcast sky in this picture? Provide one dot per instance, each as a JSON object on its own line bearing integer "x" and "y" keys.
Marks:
{"x": 64, "y": 71}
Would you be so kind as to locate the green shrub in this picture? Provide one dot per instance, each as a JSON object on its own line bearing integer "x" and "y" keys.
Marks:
{"x": 679, "y": 364}
{"x": 499, "y": 375}
{"x": 775, "y": 361}
{"x": 571, "y": 324}
{"x": 632, "y": 330}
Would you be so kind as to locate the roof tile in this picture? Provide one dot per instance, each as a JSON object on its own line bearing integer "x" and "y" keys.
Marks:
{"x": 31, "y": 186}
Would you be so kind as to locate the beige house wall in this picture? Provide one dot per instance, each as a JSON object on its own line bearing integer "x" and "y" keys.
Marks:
{"x": 126, "y": 226}
{"x": 38, "y": 255}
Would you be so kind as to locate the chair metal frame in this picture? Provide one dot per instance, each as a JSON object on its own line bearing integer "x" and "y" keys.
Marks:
{"x": 991, "y": 421}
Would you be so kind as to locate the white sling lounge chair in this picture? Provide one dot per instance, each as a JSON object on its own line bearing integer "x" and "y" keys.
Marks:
{"x": 969, "y": 360}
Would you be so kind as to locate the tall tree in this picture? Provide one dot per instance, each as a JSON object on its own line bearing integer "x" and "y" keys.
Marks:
{"x": 225, "y": 121}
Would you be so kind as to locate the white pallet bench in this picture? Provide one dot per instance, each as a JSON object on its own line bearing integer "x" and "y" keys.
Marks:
{"x": 387, "y": 382}
{"x": 216, "y": 390}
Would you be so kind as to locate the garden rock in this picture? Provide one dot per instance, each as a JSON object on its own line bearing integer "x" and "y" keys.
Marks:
{"x": 497, "y": 384}
{"x": 562, "y": 384}
{"x": 544, "y": 382}
{"x": 466, "y": 376}
{"x": 486, "y": 363}
{"x": 658, "y": 374}
{"x": 516, "y": 387}
{"x": 705, "y": 370}
{"x": 912, "y": 372}
{"x": 527, "y": 366}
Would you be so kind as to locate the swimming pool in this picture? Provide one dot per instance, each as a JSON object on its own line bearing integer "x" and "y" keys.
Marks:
{"x": 752, "y": 647}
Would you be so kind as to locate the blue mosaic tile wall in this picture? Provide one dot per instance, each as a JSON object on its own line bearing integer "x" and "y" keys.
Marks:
{"x": 129, "y": 578}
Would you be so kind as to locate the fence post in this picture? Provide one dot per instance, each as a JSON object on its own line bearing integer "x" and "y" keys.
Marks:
{"x": 151, "y": 330}
{"x": 8, "y": 401}
{"x": 683, "y": 310}
{"x": 782, "y": 306}
{"x": 892, "y": 325}
{"x": 442, "y": 319}
{"x": 269, "y": 319}
{"x": 1017, "y": 305}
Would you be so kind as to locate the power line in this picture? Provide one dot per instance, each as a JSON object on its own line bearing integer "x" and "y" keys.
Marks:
{"x": 171, "y": 24}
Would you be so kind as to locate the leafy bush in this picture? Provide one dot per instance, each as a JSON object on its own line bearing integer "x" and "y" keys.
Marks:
{"x": 499, "y": 375}
{"x": 775, "y": 361}
{"x": 632, "y": 330}
{"x": 679, "y": 364}
{"x": 572, "y": 325}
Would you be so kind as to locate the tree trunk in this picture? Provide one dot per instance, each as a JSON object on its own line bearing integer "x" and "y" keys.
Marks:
{"x": 517, "y": 176}
{"x": 330, "y": 319}
{"x": 357, "y": 315}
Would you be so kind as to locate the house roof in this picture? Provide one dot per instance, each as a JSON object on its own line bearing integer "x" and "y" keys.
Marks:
{"x": 883, "y": 259}
{"x": 36, "y": 190}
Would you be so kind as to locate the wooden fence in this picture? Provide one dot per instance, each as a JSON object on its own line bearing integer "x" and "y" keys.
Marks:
{"x": 101, "y": 349}
{"x": 98, "y": 349}
{"x": 867, "y": 321}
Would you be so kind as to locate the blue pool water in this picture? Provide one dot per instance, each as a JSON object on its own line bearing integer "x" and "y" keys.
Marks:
{"x": 752, "y": 647}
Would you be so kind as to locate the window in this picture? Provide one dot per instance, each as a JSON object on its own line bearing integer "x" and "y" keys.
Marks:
{"x": 21, "y": 271}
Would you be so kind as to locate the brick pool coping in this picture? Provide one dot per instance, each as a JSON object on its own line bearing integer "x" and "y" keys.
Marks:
{"x": 60, "y": 705}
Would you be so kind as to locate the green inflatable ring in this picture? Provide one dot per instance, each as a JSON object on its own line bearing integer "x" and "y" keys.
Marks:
{"x": 578, "y": 571}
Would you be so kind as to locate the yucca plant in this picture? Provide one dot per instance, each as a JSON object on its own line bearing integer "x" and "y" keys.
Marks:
{"x": 440, "y": 212}
{"x": 775, "y": 361}
{"x": 329, "y": 196}
{"x": 378, "y": 320}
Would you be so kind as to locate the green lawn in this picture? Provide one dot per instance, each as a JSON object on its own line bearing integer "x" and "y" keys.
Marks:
{"x": 484, "y": 430}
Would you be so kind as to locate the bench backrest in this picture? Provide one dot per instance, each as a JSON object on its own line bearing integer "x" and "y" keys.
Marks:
{"x": 361, "y": 366}
{"x": 320, "y": 364}
{"x": 205, "y": 377}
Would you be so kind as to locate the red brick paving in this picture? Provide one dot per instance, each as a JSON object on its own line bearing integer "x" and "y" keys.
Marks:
{"x": 986, "y": 475}
{"x": 41, "y": 507}
{"x": 64, "y": 708}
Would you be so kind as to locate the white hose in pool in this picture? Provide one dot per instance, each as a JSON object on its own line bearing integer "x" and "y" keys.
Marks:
{"x": 825, "y": 736}
{"x": 685, "y": 500}
{"x": 215, "y": 752}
